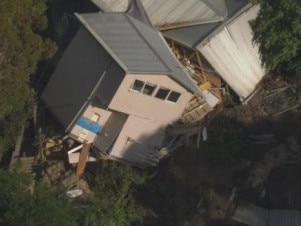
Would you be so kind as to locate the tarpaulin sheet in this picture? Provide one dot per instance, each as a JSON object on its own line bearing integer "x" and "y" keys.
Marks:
{"x": 89, "y": 125}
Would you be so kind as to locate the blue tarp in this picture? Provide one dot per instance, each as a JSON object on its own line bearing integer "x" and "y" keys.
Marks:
{"x": 88, "y": 124}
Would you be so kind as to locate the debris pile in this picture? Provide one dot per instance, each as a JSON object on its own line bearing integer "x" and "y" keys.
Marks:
{"x": 285, "y": 153}
{"x": 278, "y": 101}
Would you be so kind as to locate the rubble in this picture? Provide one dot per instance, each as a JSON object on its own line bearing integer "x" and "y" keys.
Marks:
{"x": 280, "y": 100}
{"x": 285, "y": 153}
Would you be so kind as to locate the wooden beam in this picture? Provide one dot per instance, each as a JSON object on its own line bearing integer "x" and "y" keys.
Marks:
{"x": 83, "y": 159}
{"x": 201, "y": 66}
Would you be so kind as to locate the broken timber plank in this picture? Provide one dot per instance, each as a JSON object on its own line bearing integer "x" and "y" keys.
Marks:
{"x": 83, "y": 159}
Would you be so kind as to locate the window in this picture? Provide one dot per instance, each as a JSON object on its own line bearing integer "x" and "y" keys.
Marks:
{"x": 162, "y": 93}
{"x": 173, "y": 96}
{"x": 166, "y": 94}
{"x": 138, "y": 85}
{"x": 148, "y": 89}
{"x": 143, "y": 87}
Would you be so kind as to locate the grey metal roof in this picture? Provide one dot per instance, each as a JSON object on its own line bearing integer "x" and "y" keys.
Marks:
{"x": 135, "y": 46}
{"x": 193, "y": 35}
{"x": 173, "y": 13}
{"x": 84, "y": 67}
{"x": 284, "y": 218}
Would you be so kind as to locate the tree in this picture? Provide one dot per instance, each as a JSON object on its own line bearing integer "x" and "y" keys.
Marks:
{"x": 114, "y": 203}
{"x": 19, "y": 205}
{"x": 21, "y": 48}
{"x": 277, "y": 30}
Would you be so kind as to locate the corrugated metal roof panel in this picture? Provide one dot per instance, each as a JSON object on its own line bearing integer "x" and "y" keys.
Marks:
{"x": 135, "y": 46}
{"x": 173, "y": 13}
{"x": 284, "y": 218}
{"x": 233, "y": 55}
{"x": 193, "y": 35}
{"x": 123, "y": 40}
{"x": 251, "y": 215}
{"x": 66, "y": 99}
{"x": 256, "y": 216}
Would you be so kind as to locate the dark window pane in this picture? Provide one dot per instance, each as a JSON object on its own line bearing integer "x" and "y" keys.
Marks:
{"x": 148, "y": 89}
{"x": 173, "y": 96}
{"x": 138, "y": 85}
{"x": 162, "y": 93}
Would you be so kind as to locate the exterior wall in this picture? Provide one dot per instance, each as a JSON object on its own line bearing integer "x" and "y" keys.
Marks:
{"x": 233, "y": 55}
{"x": 77, "y": 130}
{"x": 139, "y": 140}
{"x": 149, "y": 107}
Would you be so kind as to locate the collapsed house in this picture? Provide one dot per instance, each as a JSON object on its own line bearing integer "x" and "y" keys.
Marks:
{"x": 118, "y": 86}
{"x": 219, "y": 30}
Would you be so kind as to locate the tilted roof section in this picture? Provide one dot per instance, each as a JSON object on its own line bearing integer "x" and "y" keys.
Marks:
{"x": 136, "y": 47}
{"x": 191, "y": 36}
{"x": 167, "y": 14}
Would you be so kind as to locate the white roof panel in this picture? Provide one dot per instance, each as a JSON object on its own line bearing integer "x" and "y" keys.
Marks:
{"x": 173, "y": 13}
{"x": 234, "y": 56}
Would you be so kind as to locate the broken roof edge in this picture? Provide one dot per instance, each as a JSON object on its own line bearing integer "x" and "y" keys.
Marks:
{"x": 195, "y": 89}
{"x": 220, "y": 27}
{"x": 190, "y": 24}
{"x": 100, "y": 40}
{"x": 169, "y": 65}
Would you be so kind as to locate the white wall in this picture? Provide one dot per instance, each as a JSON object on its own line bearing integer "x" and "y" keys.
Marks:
{"x": 146, "y": 106}
{"x": 104, "y": 115}
{"x": 147, "y": 135}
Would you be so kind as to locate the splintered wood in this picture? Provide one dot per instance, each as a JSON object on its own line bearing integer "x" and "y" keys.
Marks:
{"x": 195, "y": 111}
{"x": 198, "y": 68}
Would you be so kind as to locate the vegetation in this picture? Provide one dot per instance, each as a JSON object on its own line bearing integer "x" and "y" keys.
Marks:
{"x": 114, "y": 186}
{"x": 20, "y": 206}
{"x": 277, "y": 30}
{"x": 24, "y": 203}
{"x": 21, "y": 48}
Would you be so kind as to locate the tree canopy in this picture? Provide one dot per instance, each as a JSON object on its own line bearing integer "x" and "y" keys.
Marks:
{"x": 21, "y": 48}
{"x": 277, "y": 30}
{"x": 23, "y": 202}
{"x": 114, "y": 202}
{"x": 20, "y": 205}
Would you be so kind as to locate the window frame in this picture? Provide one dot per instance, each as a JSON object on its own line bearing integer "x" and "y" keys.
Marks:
{"x": 135, "y": 90}
{"x": 171, "y": 91}
{"x": 168, "y": 95}
{"x": 143, "y": 88}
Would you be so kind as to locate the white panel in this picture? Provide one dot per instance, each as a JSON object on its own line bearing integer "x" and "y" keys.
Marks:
{"x": 232, "y": 54}
{"x": 149, "y": 137}
{"x": 173, "y": 13}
